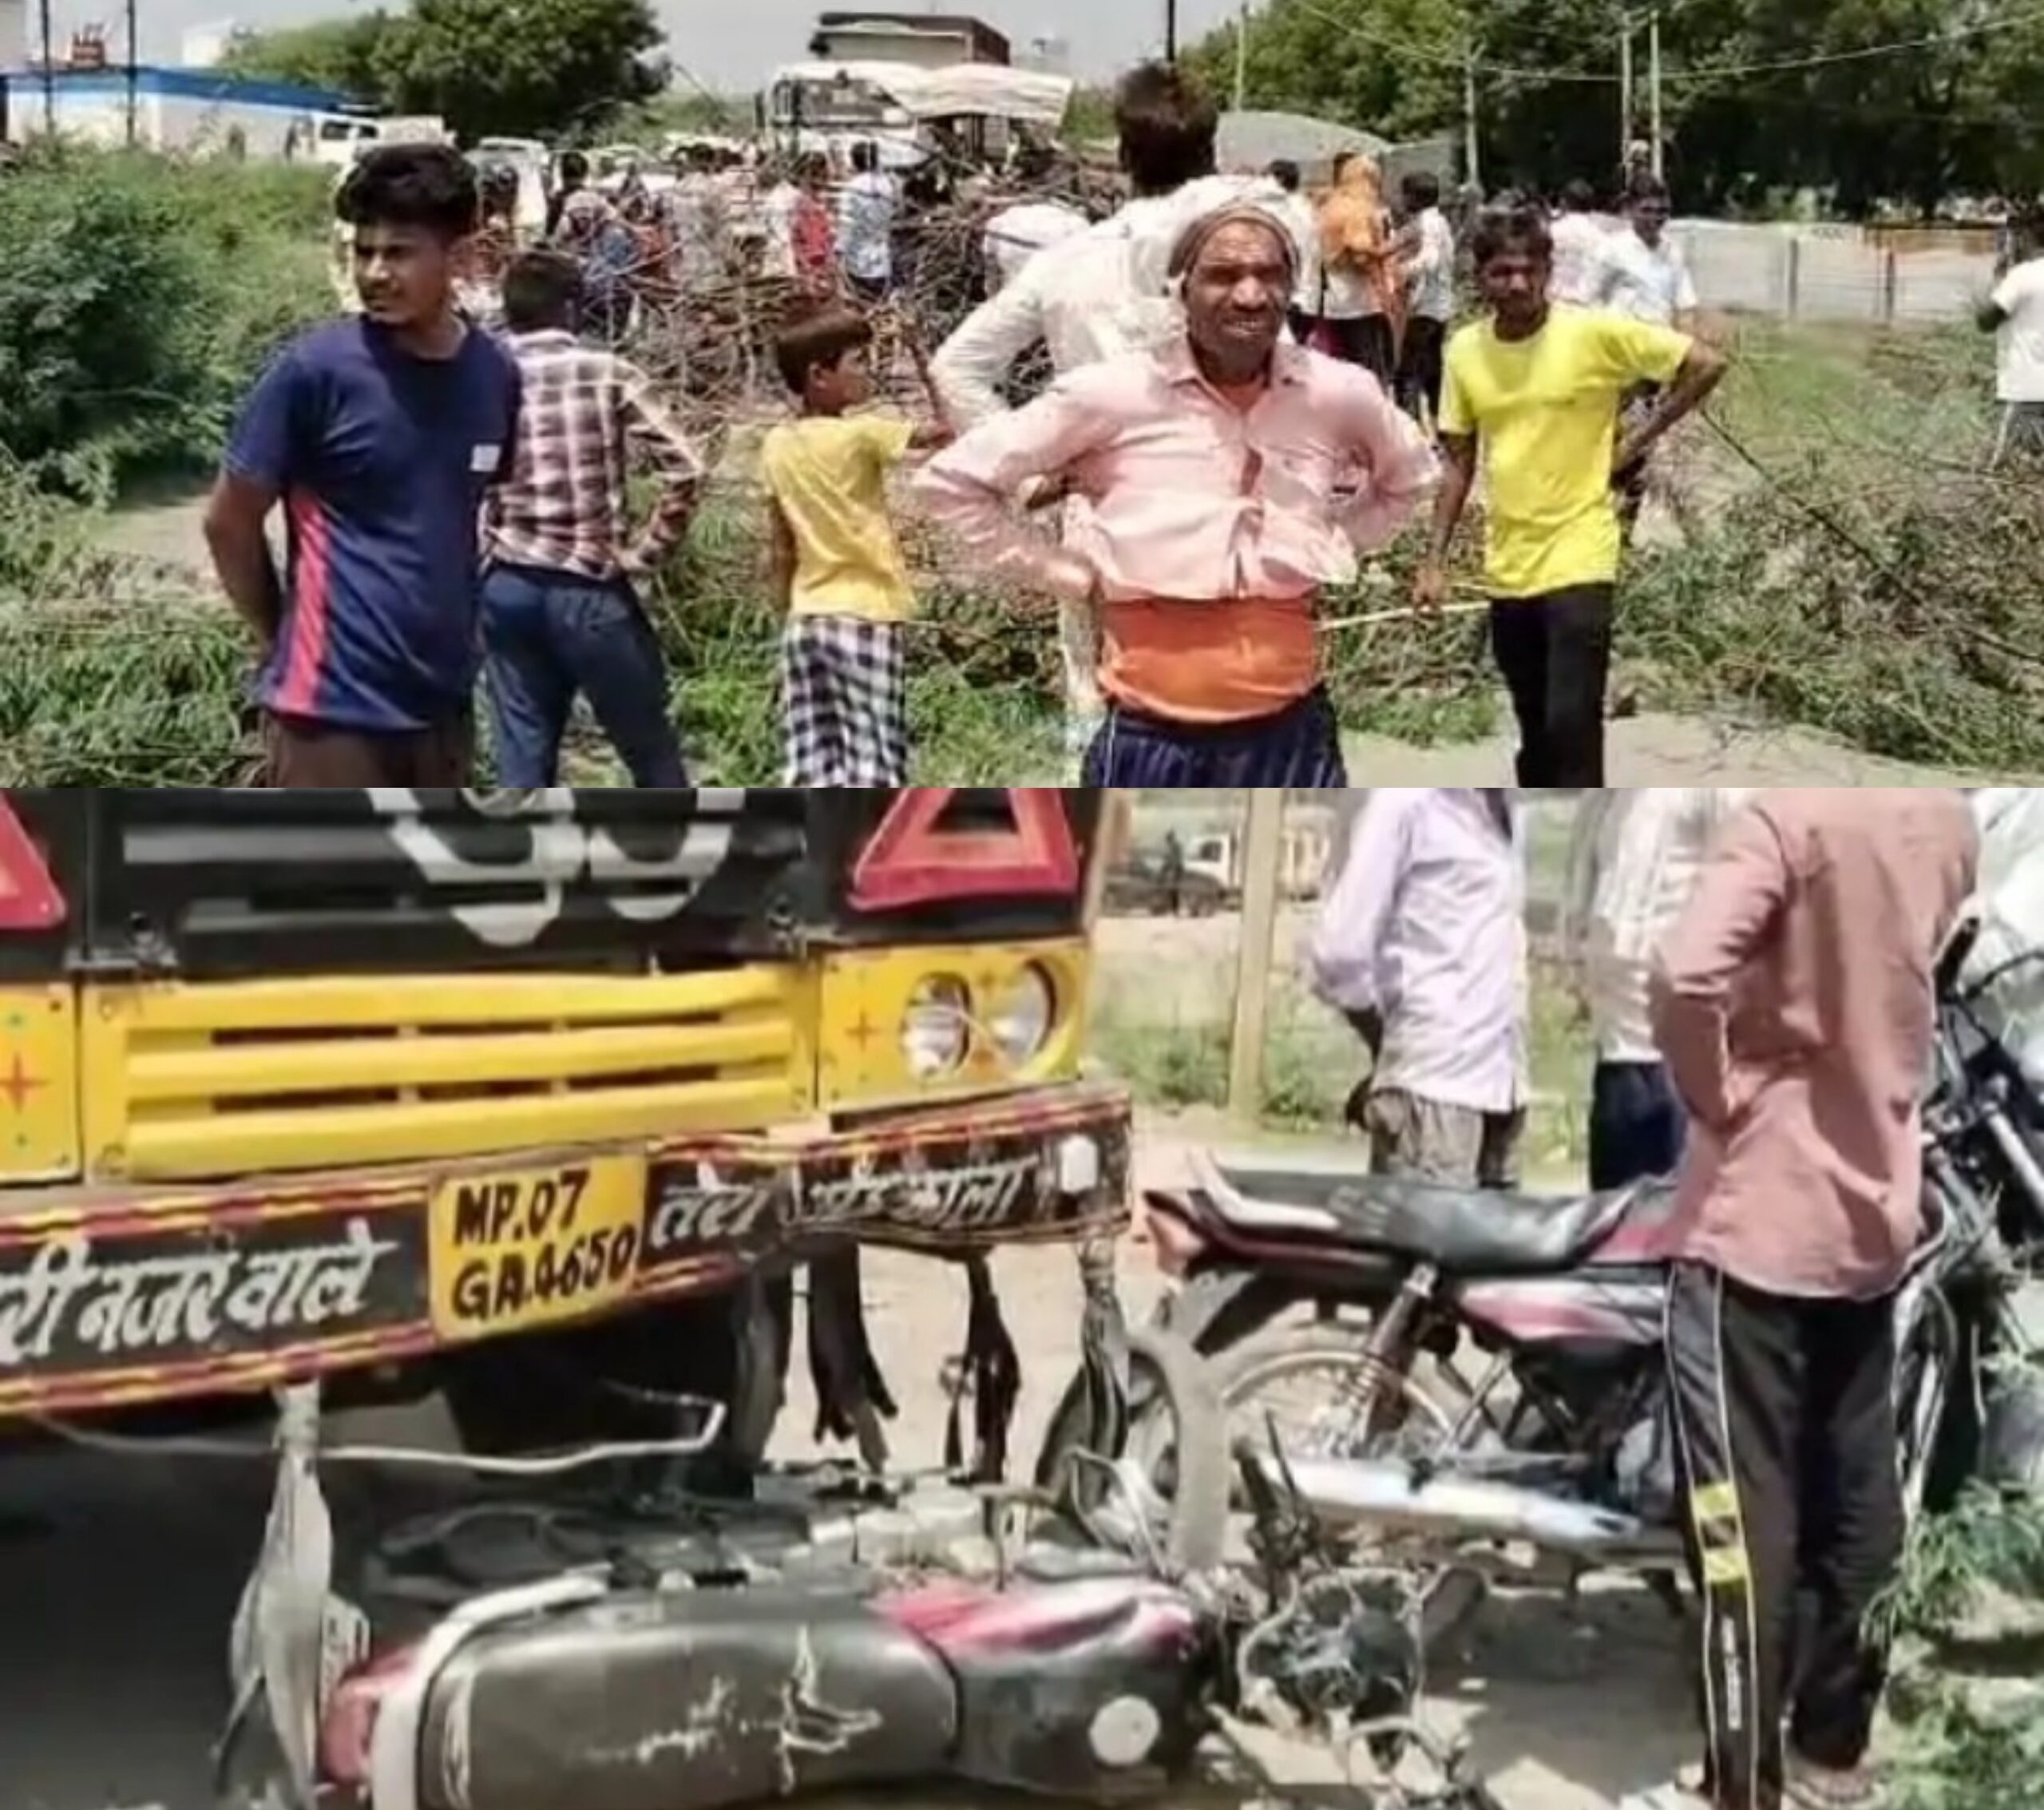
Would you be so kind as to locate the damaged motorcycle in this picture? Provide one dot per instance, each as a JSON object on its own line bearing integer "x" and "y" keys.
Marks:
{"x": 534, "y": 1646}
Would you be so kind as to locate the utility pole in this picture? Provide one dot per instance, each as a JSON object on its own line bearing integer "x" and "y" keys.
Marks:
{"x": 1471, "y": 133}
{"x": 1653, "y": 87}
{"x": 48, "y": 76}
{"x": 1241, "y": 59}
{"x": 134, "y": 75}
{"x": 1262, "y": 887}
{"x": 1171, "y": 30}
{"x": 1625, "y": 89}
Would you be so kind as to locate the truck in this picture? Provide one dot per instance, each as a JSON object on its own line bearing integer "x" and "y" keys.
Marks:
{"x": 931, "y": 40}
{"x": 372, "y": 1096}
{"x": 908, "y": 111}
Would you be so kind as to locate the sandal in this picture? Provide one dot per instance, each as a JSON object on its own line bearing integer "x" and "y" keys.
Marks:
{"x": 1664, "y": 1797}
{"x": 1828, "y": 1787}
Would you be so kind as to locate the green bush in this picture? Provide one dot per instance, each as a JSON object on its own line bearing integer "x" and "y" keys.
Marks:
{"x": 139, "y": 295}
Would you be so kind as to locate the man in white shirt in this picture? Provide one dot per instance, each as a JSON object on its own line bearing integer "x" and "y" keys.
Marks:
{"x": 866, "y": 224}
{"x": 1016, "y": 233}
{"x": 777, "y": 218}
{"x": 1097, "y": 295}
{"x": 2004, "y": 963}
{"x": 1303, "y": 221}
{"x": 1640, "y": 272}
{"x": 2014, "y": 315}
{"x": 1633, "y": 863}
{"x": 1422, "y": 944}
{"x": 1579, "y": 237}
{"x": 1430, "y": 305}
{"x": 699, "y": 220}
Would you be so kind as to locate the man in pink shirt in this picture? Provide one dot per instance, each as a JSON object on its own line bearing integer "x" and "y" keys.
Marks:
{"x": 1793, "y": 1002}
{"x": 1229, "y": 478}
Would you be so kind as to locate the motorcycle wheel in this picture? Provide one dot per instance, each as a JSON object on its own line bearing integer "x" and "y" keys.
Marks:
{"x": 1339, "y": 1353}
{"x": 1171, "y": 1393}
{"x": 1924, "y": 1370}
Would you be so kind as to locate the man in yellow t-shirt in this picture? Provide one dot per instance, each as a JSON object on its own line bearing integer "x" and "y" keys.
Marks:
{"x": 838, "y": 567}
{"x": 1536, "y": 387}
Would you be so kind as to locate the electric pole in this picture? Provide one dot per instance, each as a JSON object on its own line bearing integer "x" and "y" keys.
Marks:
{"x": 1624, "y": 91}
{"x": 1241, "y": 59}
{"x": 48, "y": 76}
{"x": 134, "y": 75}
{"x": 1653, "y": 87}
{"x": 1171, "y": 30}
{"x": 1472, "y": 134}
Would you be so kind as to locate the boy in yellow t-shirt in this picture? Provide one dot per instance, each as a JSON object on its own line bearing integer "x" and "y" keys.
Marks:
{"x": 836, "y": 564}
{"x": 1536, "y": 387}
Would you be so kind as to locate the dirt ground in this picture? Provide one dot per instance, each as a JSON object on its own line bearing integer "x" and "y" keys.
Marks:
{"x": 1656, "y": 751}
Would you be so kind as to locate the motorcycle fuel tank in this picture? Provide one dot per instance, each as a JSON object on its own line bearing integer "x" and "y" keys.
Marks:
{"x": 703, "y": 1698}
{"x": 1096, "y": 1688}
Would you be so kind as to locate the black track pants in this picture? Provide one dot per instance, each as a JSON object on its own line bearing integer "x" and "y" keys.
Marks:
{"x": 1785, "y": 1410}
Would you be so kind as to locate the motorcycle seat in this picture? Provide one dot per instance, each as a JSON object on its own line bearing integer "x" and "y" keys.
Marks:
{"x": 1463, "y": 1232}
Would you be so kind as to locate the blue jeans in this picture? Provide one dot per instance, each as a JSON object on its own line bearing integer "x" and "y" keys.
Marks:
{"x": 548, "y": 635}
{"x": 1637, "y": 1124}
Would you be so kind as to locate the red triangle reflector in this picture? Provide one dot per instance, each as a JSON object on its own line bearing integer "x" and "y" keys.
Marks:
{"x": 912, "y": 861}
{"x": 30, "y": 899}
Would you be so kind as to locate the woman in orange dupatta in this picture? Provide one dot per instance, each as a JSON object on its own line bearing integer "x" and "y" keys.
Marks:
{"x": 1365, "y": 298}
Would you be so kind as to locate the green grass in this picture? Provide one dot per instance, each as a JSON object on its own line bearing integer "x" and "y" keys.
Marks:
{"x": 1313, "y": 1061}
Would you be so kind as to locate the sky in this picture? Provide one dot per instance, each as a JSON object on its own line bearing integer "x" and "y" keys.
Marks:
{"x": 730, "y": 44}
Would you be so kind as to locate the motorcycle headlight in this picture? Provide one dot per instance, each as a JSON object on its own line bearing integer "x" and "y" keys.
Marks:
{"x": 1023, "y": 1015}
{"x": 936, "y": 1029}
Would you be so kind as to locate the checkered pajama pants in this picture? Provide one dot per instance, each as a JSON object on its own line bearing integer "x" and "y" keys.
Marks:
{"x": 845, "y": 693}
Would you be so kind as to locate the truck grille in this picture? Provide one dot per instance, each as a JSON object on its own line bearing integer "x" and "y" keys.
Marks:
{"x": 184, "y": 1081}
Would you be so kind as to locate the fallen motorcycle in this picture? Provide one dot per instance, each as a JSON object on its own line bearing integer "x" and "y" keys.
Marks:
{"x": 569, "y": 1647}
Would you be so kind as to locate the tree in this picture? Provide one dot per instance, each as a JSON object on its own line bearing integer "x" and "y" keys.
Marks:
{"x": 518, "y": 67}
{"x": 1761, "y": 97}
{"x": 339, "y": 54}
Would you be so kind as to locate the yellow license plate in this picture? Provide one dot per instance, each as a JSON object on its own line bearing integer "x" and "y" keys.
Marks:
{"x": 520, "y": 1248}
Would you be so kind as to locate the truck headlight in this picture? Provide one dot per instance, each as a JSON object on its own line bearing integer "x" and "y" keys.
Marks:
{"x": 1023, "y": 1015}
{"x": 936, "y": 1029}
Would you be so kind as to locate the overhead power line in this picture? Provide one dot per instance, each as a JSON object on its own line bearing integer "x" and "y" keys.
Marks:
{"x": 1700, "y": 73}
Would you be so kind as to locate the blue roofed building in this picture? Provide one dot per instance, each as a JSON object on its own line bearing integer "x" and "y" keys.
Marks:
{"x": 182, "y": 109}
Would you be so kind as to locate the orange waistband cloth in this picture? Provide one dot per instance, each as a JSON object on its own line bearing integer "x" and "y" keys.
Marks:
{"x": 1225, "y": 662}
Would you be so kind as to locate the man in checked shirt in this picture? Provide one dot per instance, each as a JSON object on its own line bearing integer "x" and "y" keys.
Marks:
{"x": 560, "y": 608}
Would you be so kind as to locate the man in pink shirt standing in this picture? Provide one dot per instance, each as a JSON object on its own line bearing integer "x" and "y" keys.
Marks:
{"x": 1793, "y": 1002}
{"x": 1229, "y": 478}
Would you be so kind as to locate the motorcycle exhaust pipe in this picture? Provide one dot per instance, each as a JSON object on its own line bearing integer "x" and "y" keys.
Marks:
{"x": 1383, "y": 1494}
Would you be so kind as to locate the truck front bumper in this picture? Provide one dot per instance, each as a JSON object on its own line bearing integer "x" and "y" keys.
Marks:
{"x": 110, "y": 1297}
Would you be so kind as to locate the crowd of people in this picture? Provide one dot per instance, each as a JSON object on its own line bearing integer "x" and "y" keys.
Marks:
{"x": 1758, "y": 969}
{"x": 1247, "y": 392}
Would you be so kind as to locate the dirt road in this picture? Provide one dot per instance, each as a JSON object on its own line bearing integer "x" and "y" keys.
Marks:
{"x": 1655, "y": 751}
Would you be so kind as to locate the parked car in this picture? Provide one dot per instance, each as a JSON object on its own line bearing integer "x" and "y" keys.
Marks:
{"x": 1140, "y": 885}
